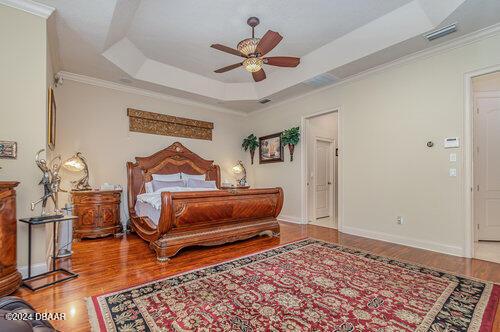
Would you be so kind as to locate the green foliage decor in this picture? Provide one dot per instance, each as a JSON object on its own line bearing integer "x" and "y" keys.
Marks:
{"x": 250, "y": 143}
{"x": 291, "y": 138}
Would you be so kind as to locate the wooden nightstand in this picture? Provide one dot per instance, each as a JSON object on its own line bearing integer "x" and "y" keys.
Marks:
{"x": 98, "y": 213}
{"x": 235, "y": 187}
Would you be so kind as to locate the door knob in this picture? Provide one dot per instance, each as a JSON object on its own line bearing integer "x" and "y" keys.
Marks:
{"x": 329, "y": 182}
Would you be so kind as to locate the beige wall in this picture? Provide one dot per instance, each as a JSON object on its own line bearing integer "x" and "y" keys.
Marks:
{"x": 385, "y": 121}
{"x": 93, "y": 120}
{"x": 23, "y": 86}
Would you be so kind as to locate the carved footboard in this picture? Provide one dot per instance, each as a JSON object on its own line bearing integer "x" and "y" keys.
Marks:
{"x": 215, "y": 217}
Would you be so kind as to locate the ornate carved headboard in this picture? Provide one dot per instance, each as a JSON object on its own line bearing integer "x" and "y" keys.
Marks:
{"x": 174, "y": 159}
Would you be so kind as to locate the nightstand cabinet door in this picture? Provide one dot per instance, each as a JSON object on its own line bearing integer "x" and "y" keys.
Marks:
{"x": 98, "y": 213}
{"x": 108, "y": 215}
{"x": 87, "y": 217}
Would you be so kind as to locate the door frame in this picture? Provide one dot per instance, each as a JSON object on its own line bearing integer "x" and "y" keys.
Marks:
{"x": 468, "y": 191}
{"x": 304, "y": 169}
{"x": 331, "y": 188}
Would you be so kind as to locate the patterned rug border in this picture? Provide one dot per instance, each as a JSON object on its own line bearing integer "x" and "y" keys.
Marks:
{"x": 492, "y": 289}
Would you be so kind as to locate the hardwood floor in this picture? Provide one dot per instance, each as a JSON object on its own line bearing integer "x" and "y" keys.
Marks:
{"x": 110, "y": 264}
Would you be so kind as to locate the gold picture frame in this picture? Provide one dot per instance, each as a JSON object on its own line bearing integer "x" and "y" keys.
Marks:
{"x": 51, "y": 120}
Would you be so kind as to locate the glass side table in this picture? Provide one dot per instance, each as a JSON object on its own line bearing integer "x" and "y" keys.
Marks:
{"x": 53, "y": 271}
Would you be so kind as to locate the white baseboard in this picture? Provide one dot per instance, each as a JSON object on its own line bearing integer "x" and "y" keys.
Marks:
{"x": 35, "y": 269}
{"x": 406, "y": 241}
{"x": 292, "y": 219}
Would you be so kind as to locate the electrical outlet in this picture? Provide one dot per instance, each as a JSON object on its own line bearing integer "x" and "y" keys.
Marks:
{"x": 399, "y": 220}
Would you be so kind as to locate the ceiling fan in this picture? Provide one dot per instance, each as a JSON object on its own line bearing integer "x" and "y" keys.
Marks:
{"x": 253, "y": 49}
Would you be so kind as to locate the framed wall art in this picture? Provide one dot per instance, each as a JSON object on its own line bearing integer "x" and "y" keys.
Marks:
{"x": 51, "y": 120}
{"x": 270, "y": 149}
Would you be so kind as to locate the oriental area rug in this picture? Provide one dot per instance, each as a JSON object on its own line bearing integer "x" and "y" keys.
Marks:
{"x": 307, "y": 285}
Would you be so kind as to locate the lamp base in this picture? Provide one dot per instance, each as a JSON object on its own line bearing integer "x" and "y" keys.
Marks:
{"x": 82, "y": 189}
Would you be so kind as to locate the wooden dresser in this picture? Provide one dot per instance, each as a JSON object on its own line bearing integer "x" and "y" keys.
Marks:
{"x": 98, "y": 213}
{"x": 10, "y": 278}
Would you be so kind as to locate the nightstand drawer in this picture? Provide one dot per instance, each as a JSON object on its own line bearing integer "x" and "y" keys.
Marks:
{"x": 99, "y": 198}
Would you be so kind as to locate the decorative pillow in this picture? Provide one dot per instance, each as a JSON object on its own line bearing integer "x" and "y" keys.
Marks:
{"x": 149, "y": 187}
{"x": 193, "y": 176}
{"x": 167, "y": 177}
{"x": 195, "y": 183}
{"x": 157, "y": 185}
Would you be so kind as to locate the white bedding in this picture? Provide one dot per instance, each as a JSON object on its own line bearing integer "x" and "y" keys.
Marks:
{"x": 155, "y": 198}
{"x": 147, "y": 210}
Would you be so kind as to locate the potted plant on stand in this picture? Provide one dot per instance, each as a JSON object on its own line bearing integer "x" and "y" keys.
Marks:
{"x": 250, "y": 143}
{"x": 291, "y": 138}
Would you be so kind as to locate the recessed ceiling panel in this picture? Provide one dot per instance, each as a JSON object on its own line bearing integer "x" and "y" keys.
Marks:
{"x": 179, "y": 32}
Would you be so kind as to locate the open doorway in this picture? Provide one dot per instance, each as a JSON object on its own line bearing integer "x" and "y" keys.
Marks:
{"x": 486, "y": 166}
{"x": 321, "y": 169}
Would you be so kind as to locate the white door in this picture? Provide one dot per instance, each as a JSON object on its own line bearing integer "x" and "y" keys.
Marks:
{"x": 324, "y": 178}
{"x": 487, "y": 168}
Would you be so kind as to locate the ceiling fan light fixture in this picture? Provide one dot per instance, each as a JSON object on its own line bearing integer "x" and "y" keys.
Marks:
{"x": 253, "y": 65}
{"x": 248, "y": 46}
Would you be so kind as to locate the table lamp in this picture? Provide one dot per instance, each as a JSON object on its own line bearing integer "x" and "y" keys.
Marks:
{"x": 240, "y": 169}
{"x": 77, "y": 163}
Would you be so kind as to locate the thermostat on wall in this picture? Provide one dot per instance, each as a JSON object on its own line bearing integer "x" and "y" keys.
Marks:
{"x": 451, "y": 142}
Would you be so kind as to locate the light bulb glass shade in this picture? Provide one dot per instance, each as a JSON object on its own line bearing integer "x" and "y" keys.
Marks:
{"x": 74, "y": 164}
{"x": 248, "y": 46}
{"x": 237, "y": 169}
{"x": 253, "y": 64}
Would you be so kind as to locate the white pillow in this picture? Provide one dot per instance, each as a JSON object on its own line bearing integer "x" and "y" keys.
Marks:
{"x": 157, "y": 185}
{"x": 167, "y": 177}
{"x": 195, "y": 183}
{"x": 149, "y": 187}
{"x": 193, "y": 176}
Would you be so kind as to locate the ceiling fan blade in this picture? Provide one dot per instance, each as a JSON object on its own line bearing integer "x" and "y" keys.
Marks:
{"x": 282, "y": 61}
{"x": 228, "y": 68}
{"x": 259, "y": 75}
{"x": 227, "y": 50}
{"x": 268, "y": 42}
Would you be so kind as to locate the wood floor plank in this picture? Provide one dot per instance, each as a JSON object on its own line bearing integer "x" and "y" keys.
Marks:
{"x": 110, "y": 264}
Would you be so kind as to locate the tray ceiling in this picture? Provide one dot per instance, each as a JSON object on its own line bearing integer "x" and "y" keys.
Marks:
{"x": 163, "y": 46}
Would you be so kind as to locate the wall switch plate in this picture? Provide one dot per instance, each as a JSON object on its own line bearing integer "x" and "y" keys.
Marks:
{"x": 453, "y": 157}
{"x": 453, "y": 172}
{"x": 451, "y": 142}
{"x": 399, "y": 220}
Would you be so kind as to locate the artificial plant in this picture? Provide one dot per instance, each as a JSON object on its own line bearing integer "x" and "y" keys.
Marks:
{"x": 291, "y": 138}
{"x": 250, "y": 143}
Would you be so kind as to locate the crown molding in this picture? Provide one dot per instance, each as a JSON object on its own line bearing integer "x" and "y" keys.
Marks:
{"x": 462, "y": 41}
{"x": 31, "y": 7}
{"x": 142, "y": 92}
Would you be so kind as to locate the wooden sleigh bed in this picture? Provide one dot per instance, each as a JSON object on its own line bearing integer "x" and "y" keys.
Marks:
{"x": 199, "y": 217}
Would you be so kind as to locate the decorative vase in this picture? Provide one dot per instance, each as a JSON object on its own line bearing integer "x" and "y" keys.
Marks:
{"x": 291, "y": 148}
{"x": 252, "y": 153}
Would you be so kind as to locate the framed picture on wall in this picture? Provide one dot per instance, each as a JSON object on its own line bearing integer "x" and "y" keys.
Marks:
{"x": 51, "y": 120}
{"x": 270, "y": 149}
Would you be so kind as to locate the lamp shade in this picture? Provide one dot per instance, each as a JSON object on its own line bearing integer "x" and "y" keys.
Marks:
{"x": 238, "y": 169}
{"x": 74, "y": 164}
{"x": 77, "y": 163}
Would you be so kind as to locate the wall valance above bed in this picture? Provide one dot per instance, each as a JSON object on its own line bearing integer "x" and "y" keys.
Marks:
{"x": 168, "y": 125}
